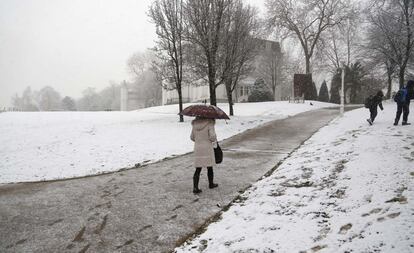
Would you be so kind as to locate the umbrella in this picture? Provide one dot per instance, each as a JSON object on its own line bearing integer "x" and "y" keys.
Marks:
{"x": 205, "y": 111}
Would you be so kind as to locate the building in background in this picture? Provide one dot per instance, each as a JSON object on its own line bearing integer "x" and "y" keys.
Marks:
{"x": 142, "y": 92}
{"x": 130, "y": 97}
{"x": 265, "y": 65}
{"x": 269, "y": 52}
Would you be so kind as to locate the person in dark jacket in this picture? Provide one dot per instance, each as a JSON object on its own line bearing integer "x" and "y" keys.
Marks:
{"x": 373, "y": 109}
{"x": 403, "y": 105}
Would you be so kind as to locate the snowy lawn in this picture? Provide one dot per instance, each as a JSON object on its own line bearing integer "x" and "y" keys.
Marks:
{"x": 349, "y": 188}
{"x": 38, "y": 146}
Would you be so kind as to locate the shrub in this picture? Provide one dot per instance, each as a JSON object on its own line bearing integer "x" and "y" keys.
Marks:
{"x": 260, "y": 92}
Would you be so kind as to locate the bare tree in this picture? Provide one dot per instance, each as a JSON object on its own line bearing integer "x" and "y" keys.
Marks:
{"x": 48, "y": 99}
{"x": 306, "y": 20}
{"x": 390, "y": 66}
{"x": 167, "y": 16}
{"x": 90, "y": 101}
{"x": 391, "y": 32}
{"x": 205, "y": 20}
{"x": 338, "y": 46}
{"x": 139, "y": 62}
{"x": 143, "y": 68}
{"x": 379, "y": 58}
{"x": 27, "y": 101}
{"x": 238, "y": 46}
{"x": 270, "y": 66}
{"x": 111, "y": 97}
{"x": 290, "y": 66}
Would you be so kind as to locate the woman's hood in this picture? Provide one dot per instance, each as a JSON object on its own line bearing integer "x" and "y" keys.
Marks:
{"x": 200, "y": 124}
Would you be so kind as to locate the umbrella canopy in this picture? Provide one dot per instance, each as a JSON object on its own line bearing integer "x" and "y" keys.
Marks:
{"x": 205, "y": 111}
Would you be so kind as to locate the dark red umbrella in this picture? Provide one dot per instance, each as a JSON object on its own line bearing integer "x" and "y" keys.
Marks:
{"x": 205, "y": 111}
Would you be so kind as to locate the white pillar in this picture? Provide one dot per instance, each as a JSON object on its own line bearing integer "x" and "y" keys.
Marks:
{"x": 124, "y": 96}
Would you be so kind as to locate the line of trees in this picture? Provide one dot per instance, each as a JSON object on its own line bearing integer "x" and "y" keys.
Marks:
{"x": 371, "y": 41}
{"x": 48, "y": 99}
{"x": 215, "y": 41}
{"x": 390, "y": 37}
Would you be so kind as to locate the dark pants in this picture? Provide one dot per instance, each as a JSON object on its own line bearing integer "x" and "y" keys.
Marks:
{"x": 374, "y": 113}
{"x": 196, "y": 177}
{"x": 405, "y": 110}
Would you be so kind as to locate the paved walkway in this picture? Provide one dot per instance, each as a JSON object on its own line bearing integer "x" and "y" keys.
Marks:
{"x": 148, "y": 209}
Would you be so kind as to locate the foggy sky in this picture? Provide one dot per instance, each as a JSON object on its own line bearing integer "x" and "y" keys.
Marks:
{"x": 69, "y": 44}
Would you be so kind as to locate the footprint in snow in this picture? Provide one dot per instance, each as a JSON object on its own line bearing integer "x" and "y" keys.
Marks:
{"x": 344, "y": 229}
{"x": 400, "y": 199}
{"x": 375, "y": 210}
{"x": 393, "y": 215}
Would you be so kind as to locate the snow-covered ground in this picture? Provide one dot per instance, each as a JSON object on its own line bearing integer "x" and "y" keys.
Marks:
{"x": 39, "y": 146}
{"x": 349, "y": 188}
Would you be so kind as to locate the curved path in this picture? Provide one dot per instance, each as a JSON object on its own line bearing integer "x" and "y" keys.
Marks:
{"x": 148, "y": 209}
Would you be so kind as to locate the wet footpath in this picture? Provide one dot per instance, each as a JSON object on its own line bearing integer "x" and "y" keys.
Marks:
{"x": 146, "y": 209}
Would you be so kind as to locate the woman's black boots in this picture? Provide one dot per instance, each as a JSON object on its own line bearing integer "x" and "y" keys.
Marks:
{"x": 196, "y": 178}
{"x": 210, "y": 175}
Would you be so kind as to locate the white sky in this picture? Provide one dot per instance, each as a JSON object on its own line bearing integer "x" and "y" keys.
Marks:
{"x": 70, "y": 44}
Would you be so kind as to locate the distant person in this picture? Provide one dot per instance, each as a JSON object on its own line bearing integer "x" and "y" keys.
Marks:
{"x": 403, "y": 97}
{"x": 204, "y": 135}
{"x": 372, "y": 104}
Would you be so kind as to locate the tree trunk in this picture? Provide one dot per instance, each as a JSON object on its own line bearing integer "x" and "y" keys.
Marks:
{"x": 180, "y": 102}
{"x": 213, "y": 100}
{"x": 229, "y": 97}
{"x": 307, "y": 58}
{"x": 274, "y": 87}
{"x": 212, "y": 84}
{"x": 401, "y": 77}
{"x": 389, "y": 77}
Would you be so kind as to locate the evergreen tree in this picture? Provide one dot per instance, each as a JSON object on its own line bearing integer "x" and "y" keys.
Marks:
{"x": 323, "y": 93}
{"x": 353, "y": 82}
{"x": 354, "y": 76}
{"x": 313, "y": 93}
{"x": 260, "y": 92}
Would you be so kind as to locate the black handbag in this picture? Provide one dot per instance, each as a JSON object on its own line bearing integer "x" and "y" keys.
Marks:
{"x": 218, "y": 154}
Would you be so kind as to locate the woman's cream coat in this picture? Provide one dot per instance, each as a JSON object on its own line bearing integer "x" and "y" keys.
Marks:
{"x": 203, "y": 135}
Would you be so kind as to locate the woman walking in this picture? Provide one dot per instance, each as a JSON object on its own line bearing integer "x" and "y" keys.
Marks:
{"x": 204, "y": 135}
